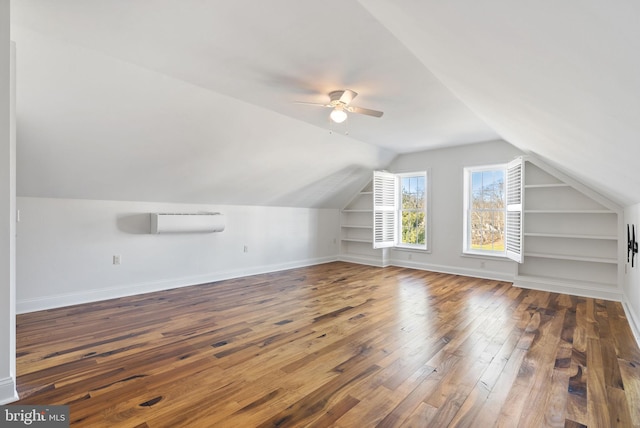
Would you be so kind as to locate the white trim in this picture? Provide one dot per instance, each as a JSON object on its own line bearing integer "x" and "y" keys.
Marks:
{"x": 602, "y": 200}
{"x": 454, "y": 270}
{"x": 426, "y": 211}
{"x": 633, "y": 320}
{"x": 486, "y": 256}
{"x": 8, "y": 392}
{"x": 385, "y": 209}
{"x": 567, "y": 287}
{"x": 378, "y": 177}
{"x": 531, "y": 283}
{"x": 412, "y": 250}
{"x": 466, "y": 194}
{"x": 362, "y": 260}
{"x": 57, "y": 301}
{"x": 514, "y": 217}
{"x": 411, "y": 247}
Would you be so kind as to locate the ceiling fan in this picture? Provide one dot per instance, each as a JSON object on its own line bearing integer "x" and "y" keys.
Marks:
{"x": 341, "y": 104}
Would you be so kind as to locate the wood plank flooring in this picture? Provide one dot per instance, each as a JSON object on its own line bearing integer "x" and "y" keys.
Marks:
{"x": 339, "y": 345}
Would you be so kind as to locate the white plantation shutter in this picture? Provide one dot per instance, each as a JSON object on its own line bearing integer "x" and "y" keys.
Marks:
{"x": 515, "y": 205}
{"x": 385, "y": 200}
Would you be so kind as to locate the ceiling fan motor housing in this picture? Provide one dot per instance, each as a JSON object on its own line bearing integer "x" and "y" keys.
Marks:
{"x": 335, "y": 96}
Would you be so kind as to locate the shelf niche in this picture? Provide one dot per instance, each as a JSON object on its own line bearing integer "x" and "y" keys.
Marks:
{"x": 356, "y": 230}
{"x": 571, "y": 234}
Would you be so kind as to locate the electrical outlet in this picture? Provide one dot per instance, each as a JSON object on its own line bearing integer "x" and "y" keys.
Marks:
{"x": 117, "y": 259}
{"x": 246, "y": 249}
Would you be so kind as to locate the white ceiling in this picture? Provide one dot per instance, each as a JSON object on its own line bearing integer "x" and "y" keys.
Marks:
{"x": 193, "y": 101}
{"x": 558, "y": 79}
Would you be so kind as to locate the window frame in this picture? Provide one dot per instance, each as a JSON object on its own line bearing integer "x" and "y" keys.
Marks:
{"x": 467, "y": 195}
{"x": 425, "y": 210}
{"x": 385, "y": 208}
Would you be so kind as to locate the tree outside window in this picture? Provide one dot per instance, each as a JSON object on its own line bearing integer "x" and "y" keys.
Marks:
{"x": 413, "y": 209}
{"x": 400, "y": 210}
{"x": 486, "y": 210}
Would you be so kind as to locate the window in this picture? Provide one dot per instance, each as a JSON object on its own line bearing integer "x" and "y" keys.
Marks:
{"x": 493, "y": 202}
{"x": 485, "y": 207}
{"x": 412, "y": 214}
{"x": 400, "y": 210}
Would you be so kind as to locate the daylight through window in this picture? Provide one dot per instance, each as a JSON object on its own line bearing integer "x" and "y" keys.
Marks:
{"x": 400, "y": 210}
{"x": 485, "y": 210}
{"x": 413, "y": 210}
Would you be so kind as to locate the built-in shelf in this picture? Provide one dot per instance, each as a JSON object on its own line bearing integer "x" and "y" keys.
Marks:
{"x": 571, "y": 236}
{"x": 569, "y": 212}
{"x": 573, "y": 257}
{"x": 356, "y": 229}
{"x": 545, "y": 186}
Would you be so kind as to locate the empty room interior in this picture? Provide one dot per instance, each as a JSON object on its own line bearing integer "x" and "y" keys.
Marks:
{"x": 337, "y": 213}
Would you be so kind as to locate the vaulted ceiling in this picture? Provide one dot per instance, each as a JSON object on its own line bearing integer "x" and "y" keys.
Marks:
{"x": 194, "y": 101}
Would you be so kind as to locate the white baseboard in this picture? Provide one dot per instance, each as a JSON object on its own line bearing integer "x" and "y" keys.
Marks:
{"x": 567, "y": 287}
{"x": 58, "y": 301}
{"x": 361, "y": 260}
{"x": 8, "y": 392}
{"x": 454, "y": 270}
{"x": 633, "y": 319}
{"x": 529, "y": 282}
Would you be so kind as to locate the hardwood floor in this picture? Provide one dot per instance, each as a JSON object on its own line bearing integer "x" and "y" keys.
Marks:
{"x": 336, "y": 345}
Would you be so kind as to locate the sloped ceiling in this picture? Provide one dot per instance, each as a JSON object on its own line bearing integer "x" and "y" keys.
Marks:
{"x": 193, "y": 101}
{"x": 558, "y": 79}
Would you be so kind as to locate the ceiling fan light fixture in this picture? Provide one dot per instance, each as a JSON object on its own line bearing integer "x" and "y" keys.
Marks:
{"x": 338, "y": 115}
{"x": 340, "y": 105}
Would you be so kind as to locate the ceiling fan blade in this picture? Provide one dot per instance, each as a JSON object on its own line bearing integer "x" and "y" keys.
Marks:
{"x": 366, "y": 111}
{"x": 347, "y": 96}
{"x": 312, "y": 104}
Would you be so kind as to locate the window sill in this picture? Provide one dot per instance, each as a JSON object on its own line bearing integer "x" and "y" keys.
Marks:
{"x": 485, "y": 256}
{"x": 409, "y": 248}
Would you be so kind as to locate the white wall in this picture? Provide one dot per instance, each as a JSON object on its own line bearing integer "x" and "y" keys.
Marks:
{"x": 631, "y": 286}
{"x": 446, "y": 167}
{"x": 7, "y": 215}
{"x": 66, "y": 247}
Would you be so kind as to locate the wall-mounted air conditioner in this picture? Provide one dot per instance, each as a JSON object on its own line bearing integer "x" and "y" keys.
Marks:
{"x": 186, "y": 222}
